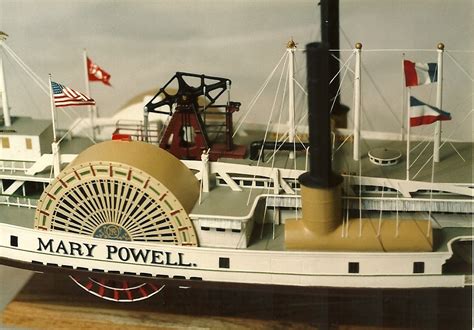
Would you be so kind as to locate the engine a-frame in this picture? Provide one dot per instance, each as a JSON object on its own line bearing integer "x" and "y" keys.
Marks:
{"x": 197, "y": 124}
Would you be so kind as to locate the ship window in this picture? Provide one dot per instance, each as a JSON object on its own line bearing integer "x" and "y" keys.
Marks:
{"x": 236, "y": 230}
{"x": 205, "y": 228}
{"x": 13, "y": 240}
{"x": 5, "y": 143}
{"x": 220, "y": 229}
{"x": 29, "y": 144}
{"x": 418, "y": 267}
{"x": 353, "y": 267}
{"x": 224, "y": 262}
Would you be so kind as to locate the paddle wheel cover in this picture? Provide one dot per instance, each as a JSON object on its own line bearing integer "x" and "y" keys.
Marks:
{"x": 122, "y": 190}
{"x": 114, "y": 201}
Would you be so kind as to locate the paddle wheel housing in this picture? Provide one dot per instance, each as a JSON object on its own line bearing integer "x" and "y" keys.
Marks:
{"x": 114, "y": 190}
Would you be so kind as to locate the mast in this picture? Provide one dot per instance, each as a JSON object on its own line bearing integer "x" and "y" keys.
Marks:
{"x": 3, "y": 86}
{"x": 357, "y": 96}
{"x": 439, "y": 103}
{"x": 291, "y": 47}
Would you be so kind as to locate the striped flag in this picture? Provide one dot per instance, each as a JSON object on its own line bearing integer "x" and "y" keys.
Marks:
{"x": 420, "y": 73}
{"x": 65, "y": 96}
{"x": 424, "y": 114}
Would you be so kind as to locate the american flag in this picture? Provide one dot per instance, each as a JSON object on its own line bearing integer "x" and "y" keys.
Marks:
{"x": 65, "y": 96}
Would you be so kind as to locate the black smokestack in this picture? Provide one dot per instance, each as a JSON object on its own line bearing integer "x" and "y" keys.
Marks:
{"x": 330, "y": 36}
{"x": 320, "y": 174}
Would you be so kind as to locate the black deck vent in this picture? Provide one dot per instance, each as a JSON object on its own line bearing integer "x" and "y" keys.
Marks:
{"x": 418, "y": 267}
{"x": 224, "y": 262}
{"x": 14, "y": 241}
{"x": 353, "y": 267}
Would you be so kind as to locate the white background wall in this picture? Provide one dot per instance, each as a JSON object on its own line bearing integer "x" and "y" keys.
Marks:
{"x": 143, "y": 43}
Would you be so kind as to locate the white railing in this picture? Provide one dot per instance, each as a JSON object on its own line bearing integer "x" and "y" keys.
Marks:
{"x": 14, "y": 165}
{"x": 18, "y": 201}
{"x": 238, "y": 176}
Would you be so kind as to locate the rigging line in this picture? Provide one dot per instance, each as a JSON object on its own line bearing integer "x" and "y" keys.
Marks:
{"x": 287, "y": 67}
{"x": 22, "y": 64}
{"x": 419, "y": 155}
{"x": 454, "y": 131}
{"x": 42, "y": 85}
{"x": 277, "y": 183}
{"x": 343, "y": 142}
{"x": 431, "y": 198}
{"x": 360, "y": 198}
{"x": 302, "y": 118}
{"x": 397, "y": 207}
{"x": 460, "y": 67}
{"x": 344, "y": 65}
{"x": 344, "y": 207}
{"x": 425, "y": 139}
{"x": 455, "y": 149}
{"x": 266, "y": 131}
{"x": 75, "y": 120}
{"x": 379, "y": 228}
{"x": 74, "y": 125}
{"x": 461, "y": 51}
{"x": 364, "y": 69}
{"x": 301, "y": 87}
{"x": 278, "y": 149}
{"x": 301, "y": 142}
{"x": 467, "y": 98}
{"x": 338, "y": 90}
{"x": 396, "y": 50}
{"x": 27, "y": 90}
{"x": 260, "y": 91}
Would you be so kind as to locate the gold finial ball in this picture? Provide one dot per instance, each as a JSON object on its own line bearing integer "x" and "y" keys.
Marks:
{"x": 291, "y": 44}
{"x": 358, "y": 45}
{"x": 3, "y": 35}
{"x": 440, "y": 46}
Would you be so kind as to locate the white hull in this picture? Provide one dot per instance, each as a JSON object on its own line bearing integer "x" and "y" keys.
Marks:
{"x": 306, "y": 269}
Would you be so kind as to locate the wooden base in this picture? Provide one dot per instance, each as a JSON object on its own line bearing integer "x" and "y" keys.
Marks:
{"x": 54, "y": 301}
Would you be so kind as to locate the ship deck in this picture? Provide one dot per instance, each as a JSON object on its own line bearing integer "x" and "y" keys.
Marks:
{"x": 271, "y": 237}
{"x": 453, "y": 155}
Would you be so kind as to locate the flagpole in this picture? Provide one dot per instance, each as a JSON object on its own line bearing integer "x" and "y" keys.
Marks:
{"x": 402, "y": 133}
{"x": 357, "y": 92}
{"x": 408, "y": 133}
{"x": 439, "y": 98}
{"x": 88, "y": 91}
{"x": 54, "y": 144}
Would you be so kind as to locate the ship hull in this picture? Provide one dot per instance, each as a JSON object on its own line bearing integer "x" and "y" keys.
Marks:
{"x": 75, "y": 254}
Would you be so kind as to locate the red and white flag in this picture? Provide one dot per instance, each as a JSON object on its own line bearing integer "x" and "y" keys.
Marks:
{"x": 96, "y": 73}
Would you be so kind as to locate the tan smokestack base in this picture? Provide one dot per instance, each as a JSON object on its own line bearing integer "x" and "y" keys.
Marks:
{"x": 321, "y": 228}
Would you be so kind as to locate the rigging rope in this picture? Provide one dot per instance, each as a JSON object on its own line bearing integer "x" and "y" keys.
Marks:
{"x": 267, "y": 128}
{"x": 260, "y": 91}
{"x": 454, "y": 131}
